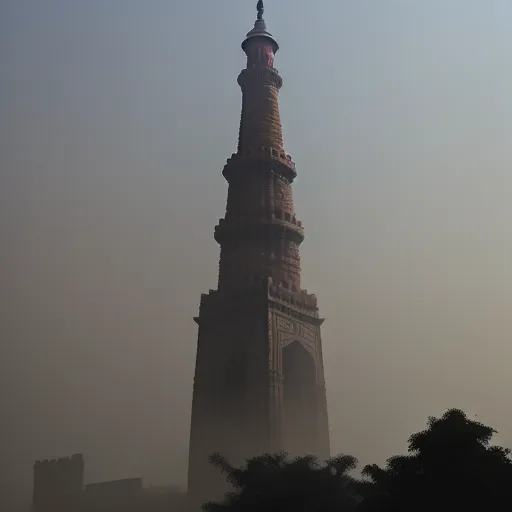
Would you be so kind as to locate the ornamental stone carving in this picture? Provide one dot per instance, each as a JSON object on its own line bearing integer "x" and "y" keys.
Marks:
{"x": 296, "y": 328}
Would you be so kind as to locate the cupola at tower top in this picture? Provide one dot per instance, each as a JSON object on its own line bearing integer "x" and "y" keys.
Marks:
{"x": 259, "y": 44}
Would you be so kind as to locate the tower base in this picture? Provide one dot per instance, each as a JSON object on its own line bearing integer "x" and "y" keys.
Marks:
{"x": 259, "y": 382}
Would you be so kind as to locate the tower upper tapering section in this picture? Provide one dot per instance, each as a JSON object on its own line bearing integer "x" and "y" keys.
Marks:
{"x": 260, "y": 234}
{"x": 260, "y": 124}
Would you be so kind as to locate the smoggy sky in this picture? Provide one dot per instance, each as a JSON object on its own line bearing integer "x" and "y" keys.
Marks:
{"x": 116, "y": 120}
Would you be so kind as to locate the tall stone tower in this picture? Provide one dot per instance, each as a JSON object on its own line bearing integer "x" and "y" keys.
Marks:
{"x": 259, "y": 379}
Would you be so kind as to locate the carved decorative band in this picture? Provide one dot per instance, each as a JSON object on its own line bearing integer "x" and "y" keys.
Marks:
{"x": 296, "y": 328}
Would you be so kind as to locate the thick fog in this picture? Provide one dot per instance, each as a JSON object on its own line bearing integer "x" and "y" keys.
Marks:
{"x": 116, "y": 120}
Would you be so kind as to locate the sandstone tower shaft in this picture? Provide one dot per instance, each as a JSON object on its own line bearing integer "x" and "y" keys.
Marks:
{"x": 259, "y": 381}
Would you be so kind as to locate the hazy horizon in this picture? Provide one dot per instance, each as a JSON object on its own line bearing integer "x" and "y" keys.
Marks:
{"x": 117, "y": 119}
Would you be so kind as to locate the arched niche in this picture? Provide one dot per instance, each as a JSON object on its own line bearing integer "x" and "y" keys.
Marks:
{"x": 300, "y": 399}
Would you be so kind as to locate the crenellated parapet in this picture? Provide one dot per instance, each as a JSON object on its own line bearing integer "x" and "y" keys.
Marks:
{"x": 74, "y": 460}
{"x": 299, "y": 300}
{"x": 275, "y": 160}
{"x": 302, "y": 299}
{"x": 274, "y": 226}
{"x": 297, "y": 303}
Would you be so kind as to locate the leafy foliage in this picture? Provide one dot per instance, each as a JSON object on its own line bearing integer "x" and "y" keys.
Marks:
{"x": 450, "y": 466}
{"x": 276, "y": 482}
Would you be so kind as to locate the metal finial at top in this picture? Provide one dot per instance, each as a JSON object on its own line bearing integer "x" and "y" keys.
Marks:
{"x": 260, "y": 9}
{"x": 260, "y": 30}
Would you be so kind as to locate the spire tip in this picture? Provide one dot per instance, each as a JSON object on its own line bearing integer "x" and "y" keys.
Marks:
{"x": 260, "y": 9}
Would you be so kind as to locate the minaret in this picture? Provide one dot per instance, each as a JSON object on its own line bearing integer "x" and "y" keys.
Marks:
{"x": 259, "y": 380}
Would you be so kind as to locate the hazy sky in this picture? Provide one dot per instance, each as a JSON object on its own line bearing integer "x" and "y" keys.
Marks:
{"x": 116, "y": 118}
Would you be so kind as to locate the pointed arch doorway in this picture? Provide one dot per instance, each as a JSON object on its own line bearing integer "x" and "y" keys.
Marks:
{"x": 300, "y": 400}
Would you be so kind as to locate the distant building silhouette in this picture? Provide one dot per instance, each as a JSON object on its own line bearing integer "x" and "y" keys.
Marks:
{"x": 117, "y": 495}
{"x": 259, "y": 378}
{"x": 59, "y": 487}
{"x": 58, "y": 484}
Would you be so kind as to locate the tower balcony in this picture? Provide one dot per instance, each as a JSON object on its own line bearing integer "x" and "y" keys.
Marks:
{"x": 301, "y": 300}
{"x": 278, "y": 161}
{"x": 297, "y": 303}
{"x": 277, "y": 225}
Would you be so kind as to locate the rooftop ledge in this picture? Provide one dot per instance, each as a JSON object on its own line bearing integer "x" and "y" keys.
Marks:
{"x": 284, "y": 162}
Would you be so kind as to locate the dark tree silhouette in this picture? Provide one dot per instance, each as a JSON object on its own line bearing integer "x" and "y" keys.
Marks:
{"x": 451, "y": 466}
{"x": 275, "y": 482}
